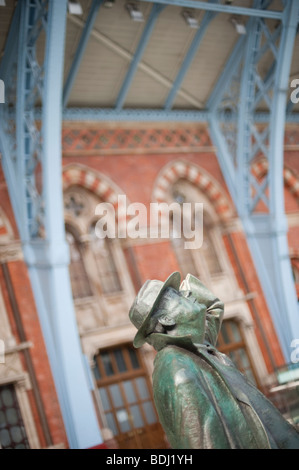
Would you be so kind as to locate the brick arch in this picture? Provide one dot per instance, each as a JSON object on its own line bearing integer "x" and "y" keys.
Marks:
{"x": 260, "y": 169}
{"x": 99, "y": 184}
{"x": 198, "y": 177}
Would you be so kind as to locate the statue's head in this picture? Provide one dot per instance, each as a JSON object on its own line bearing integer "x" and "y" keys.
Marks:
{"x": 160, "y": 307}
{"x": 145, "y": 305}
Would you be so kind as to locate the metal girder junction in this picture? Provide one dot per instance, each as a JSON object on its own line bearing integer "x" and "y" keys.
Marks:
{"x": 30, "y": 153}
{"x": 241, "y": 143}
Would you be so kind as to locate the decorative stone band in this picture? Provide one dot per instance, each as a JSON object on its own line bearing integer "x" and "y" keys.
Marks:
{"x": 198, "y": 177}
{"x": 94, "y": 140}
{"x": 11, "y": 251}
{"x": 95, "y": 182}
{"x": 84, "y": 140}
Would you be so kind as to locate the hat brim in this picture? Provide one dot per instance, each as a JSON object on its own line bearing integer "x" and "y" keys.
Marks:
{"x": 174, "y": 281}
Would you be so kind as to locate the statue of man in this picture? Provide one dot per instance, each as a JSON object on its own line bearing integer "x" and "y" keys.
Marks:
{"x": 202, "y": 400}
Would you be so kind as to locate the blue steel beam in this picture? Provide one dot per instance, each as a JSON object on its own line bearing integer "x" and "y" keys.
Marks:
{"x": 80, "y": 50}
{"x": 155, "y": 11}
{"x": 152, "y": 115}
{"x": 220, "y": 8}
{"x": 189, "y": 58}
{"x": 228, "y": 71}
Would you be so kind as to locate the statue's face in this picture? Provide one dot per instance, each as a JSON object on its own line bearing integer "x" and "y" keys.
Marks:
{"x": 179, "y": 308}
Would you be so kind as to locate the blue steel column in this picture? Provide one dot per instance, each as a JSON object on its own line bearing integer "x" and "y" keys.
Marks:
{"x": 266, "y": 229}
{"x": 41, "y": 224}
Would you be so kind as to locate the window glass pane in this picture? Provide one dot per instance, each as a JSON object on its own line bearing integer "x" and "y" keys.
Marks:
{"x": 142, "y": 388}
{"x": 123, "y": 420}
{"x": 96, "y": 371}
{"x": 136, "y": 415}
{"x": 2, "y": 420}
{"x": 235, "y": 331}
{"x": 79, "y": 279}
{"x": 5, "y": 438}
{"x": 134, "y": 359}
{"x": 120, "y": 360}
{"x": 104, "y": 399}
{"x": 16, "y": 434}
{"x": 129, "y": 391}
{"x": 149, "y": 412}
{"x": 11, "y": 415}
{"x": 7, "y": 397}
{"x": 111, "y": 423}
{"x": 107, "y": 363}
{"x": 210, "y": 253}
{"x": 243, "y": 358}
{"x": 107, "y": 270}
{"x": 225, "y": 333}
{"x": 116, "y": 395}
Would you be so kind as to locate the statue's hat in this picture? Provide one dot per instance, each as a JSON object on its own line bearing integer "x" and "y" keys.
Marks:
{"x": 146, "y": 302}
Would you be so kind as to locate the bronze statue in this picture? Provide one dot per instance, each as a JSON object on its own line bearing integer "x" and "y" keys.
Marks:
{"x": 202, "y": 400}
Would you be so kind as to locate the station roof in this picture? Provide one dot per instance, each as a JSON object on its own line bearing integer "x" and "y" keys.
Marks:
{"x": 159, "y": 63}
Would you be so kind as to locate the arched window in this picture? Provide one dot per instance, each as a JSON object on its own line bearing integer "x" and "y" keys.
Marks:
{"x": 79, "y": 279}
{"x": 106, "y": 267}
{"x": 206, "y": 255}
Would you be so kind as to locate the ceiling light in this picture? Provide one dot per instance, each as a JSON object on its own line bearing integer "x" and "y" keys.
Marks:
{"x": 108, "y": 3}
{"x": 240, "y": 27}
{"x": 74, "y": 7}
{"x": 190, "y": 19}
{"x": 134, "y": 12}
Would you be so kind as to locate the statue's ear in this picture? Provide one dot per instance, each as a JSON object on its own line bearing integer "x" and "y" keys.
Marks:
{"x": 166, "y": 321}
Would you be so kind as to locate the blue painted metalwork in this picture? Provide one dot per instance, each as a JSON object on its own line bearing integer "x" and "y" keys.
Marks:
{"x": 39, "y": 208}
{"x": 155, "y": 11}
{"x": 189, "y": 58}
{"x": 152, "y": 115}
{"x": 260, "y": 201}
{"x": 80, "y": 50}
{"x": 8, "y": 72}
{"x": 221, "y": 8}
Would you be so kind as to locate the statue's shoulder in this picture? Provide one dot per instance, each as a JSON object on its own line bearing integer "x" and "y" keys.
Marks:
{"x": 172, "y": 357}
{"x": 175, "y": 366}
